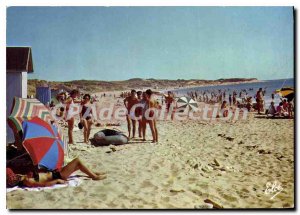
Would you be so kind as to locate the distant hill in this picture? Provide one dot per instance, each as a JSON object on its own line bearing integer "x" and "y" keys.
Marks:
{"x": 92, "y": 86}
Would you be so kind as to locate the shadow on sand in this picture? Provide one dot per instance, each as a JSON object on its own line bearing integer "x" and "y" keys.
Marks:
{"x": 270, "y": 117}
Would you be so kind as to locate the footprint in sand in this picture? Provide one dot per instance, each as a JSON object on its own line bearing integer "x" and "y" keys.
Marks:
{"x": 226, "y": 196}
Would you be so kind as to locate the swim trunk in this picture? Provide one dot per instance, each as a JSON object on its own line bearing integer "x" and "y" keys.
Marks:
{"x": 132, "y": 116}
{"x": 88, "y": 118}
{"x": 56, "y": 175}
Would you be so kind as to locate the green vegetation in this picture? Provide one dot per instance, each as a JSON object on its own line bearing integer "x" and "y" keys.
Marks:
{"x": 92, "y": 86}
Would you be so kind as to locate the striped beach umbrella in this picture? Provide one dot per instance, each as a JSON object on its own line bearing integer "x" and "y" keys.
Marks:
{"x": 184, "y": 102}
{"x": 26, "y": 109}
{"x": 43, "y": 143}
{"x": 286, "y": 92}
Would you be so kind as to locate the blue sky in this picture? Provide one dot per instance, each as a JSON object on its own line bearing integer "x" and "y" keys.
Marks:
{"x": 118, "y": 43}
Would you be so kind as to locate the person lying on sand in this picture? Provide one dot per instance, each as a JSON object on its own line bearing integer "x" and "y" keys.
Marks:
{"x": 51, "y": 178}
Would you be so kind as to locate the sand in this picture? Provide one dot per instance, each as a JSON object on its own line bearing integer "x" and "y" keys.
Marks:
{"x": 228, "y": 162}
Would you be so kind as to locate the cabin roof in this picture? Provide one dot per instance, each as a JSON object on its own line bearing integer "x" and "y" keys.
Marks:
{"x": 19, "y": 59}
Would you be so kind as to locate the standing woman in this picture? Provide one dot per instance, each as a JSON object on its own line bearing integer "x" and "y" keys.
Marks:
{"x": 150, "y": 117}
{"x": 71, "y": 113}
{"x": 259, "y": 100}
{"x": 86, "y": 117}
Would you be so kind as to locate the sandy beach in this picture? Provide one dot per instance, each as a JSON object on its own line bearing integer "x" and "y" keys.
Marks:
{"x": 228, "y": 162}
{"x": 220, "y": 81}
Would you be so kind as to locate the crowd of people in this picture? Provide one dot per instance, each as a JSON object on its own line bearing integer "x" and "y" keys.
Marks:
{"x": 86, "y": 120}
{"x": 142, "y": 107}
{"x": 284, "y": 109}
{"x": 242, "y": 99}
{"x": 146, "y": 105}
{"x": 142, "y": 110}
{"x": 137, "y": 120}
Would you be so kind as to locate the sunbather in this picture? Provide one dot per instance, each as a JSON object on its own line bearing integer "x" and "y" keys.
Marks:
{"x": 51, "y": 178}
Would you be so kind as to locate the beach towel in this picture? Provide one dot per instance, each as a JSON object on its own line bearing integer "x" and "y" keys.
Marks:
{"x": 73, "y": 181}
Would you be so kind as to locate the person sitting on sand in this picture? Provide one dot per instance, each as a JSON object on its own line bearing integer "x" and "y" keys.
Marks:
{"x": 86, "y": 117}
{"x": 272, "y": 110}
{"x": 51, "y": 178}
{"x": 280, "y": 110}
{"x": 129, "y": 102}
{"x": 150, "y": 108}
{"x": 70, "y": 116}
{"x": 285, "y": 105}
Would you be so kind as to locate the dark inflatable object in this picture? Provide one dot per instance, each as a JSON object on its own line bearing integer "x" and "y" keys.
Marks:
{"x": 109, "y": 137}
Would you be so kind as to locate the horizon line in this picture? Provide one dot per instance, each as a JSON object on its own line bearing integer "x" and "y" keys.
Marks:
{"x": 159, "y": 79}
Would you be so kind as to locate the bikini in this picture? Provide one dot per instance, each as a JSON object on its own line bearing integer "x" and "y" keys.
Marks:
{"x": 85, "y": 109}
{"x": 56, "y": 175}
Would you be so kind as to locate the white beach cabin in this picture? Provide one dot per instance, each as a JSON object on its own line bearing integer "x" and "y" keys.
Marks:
{"x": 18, "y": 64}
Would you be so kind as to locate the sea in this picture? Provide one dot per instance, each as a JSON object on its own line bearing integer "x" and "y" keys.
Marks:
{"x": 269, "y": 86}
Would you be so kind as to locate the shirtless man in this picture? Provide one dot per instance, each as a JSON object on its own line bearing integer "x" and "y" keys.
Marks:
{"x": 129, "y": 102}
{"x": 169, "y": 100}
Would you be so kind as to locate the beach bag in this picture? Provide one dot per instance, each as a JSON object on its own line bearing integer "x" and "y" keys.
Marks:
{"x": 80, "y": 125}
{"x": 109, "y": 137}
